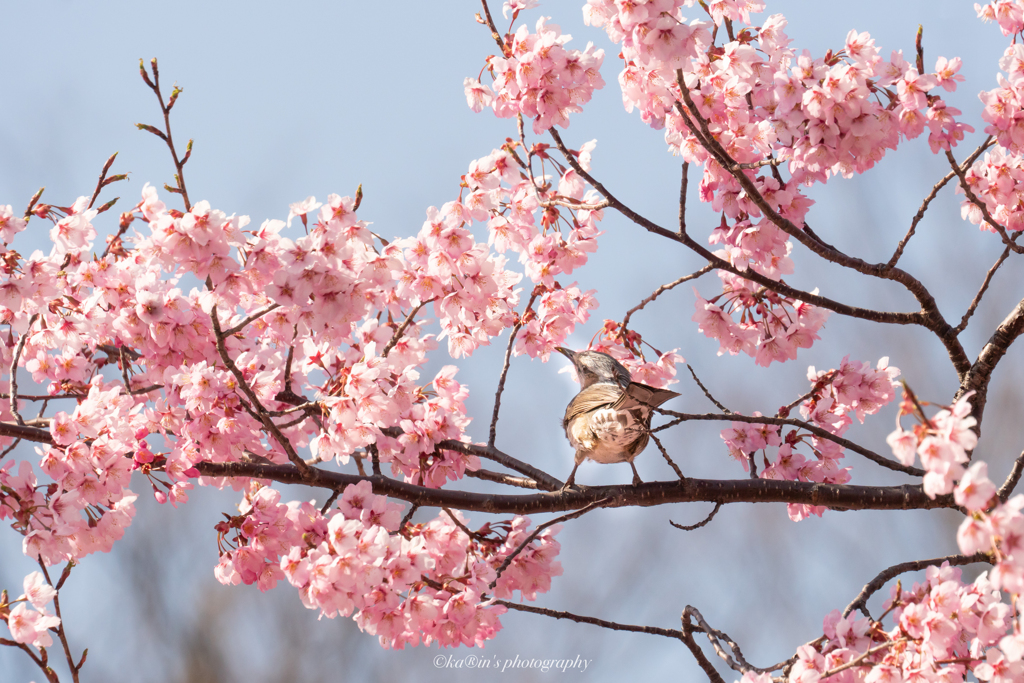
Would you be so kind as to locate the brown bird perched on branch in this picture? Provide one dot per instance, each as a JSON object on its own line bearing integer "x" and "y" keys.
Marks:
{"x": 610, "y": 419}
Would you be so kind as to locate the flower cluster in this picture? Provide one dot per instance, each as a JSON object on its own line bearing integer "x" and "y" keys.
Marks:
{"x": 624, "y": 346}
{"x": 88, "y": 506}
{"x": 538, "y": 78}
{"x": 754, "y": 101}
{"x": 418, "y": 583}
{"x": 317, "y": 330}
{"x": 942, "y": 442}
{"x": 997, "y": 179}
{"x": 1009, "y": 14}
{"x": 507, "y": 195}
{"x": 27, "y": 625}
{"x": 757, "y": 321}
{"x": 854, "y": 388}
{"x": 941, "y": 630}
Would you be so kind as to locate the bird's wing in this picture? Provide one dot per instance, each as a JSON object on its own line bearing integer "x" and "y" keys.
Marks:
{"x": 637, "y": 395}
{"x": 600, "y": 395}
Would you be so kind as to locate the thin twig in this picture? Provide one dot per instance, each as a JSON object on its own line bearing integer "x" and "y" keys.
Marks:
{"x": 973, "y": 198}
{"x": 859, "y": 661}
{"x": 494, "y": 29}
{"x": 408, "y": 517}
{"x": 14, "y": 369}
{"x": 694, "y": 527}
{"x": 103, "y": 177}
{"x": 668, "y": 459}
{"x": 984, "y": 286}
{"x": 714, "y": 636}
{"x": 580, "y": 619}
{"x": 402, "y": 328}
{"x": 10, "y": 448}
{"x": 179, "y": 164}
{"x": 917, "y": 219}
{"x": 255, "y": 316}
{"x": 493, "y": 434}
{"x": 501, "y": 478}
{"x": 931, "y": 195}
{"x": 60, "y": 627}
{"x": 583, "y": 206}
{"x": 536, "y": 532}
{"x": 40, "y": 661}
{"x": 708, "y": 393}
{"x": 544, "y": 480}
{"x": 813, "y": 429}
{"x": 260, "y": 410}
{"x": 785, "y": 410}
{"x": 330, "y": 501}
{"x": 463, "y": 527}
{"x": 664, "y": 288}
{"x": 688, "y": 639}
{"x": 682, "y": 197}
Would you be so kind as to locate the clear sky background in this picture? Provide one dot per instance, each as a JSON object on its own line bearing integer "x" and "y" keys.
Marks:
{"x": 288, "y": 100}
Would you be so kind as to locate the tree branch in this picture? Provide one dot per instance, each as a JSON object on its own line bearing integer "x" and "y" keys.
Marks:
{"x": 14, "y": 369}
{"x": 1011, "y": 480}
{"x": 813, "y": 429}
{"x": 984, "y": 286}
{"x": 930, "y": 314}
{"x": 931, "y": 195}
{"x": 860, "y": 602}
{"x": 980, "y": 374}
{"x": 973, "y": 198}
{"x": 847, "y": 497}
{"x": 694, "y": 527}
{"x": 664, "y": 288}
{"x": 925, "y": 318}
{"x": 536, "y": 532}
{"x": 493, "y": 434}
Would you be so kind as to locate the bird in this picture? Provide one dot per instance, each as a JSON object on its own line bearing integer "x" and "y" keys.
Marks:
{"x": 609, "y": 420}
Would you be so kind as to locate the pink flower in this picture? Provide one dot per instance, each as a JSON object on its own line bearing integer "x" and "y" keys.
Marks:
{"x": 975, "y": 490}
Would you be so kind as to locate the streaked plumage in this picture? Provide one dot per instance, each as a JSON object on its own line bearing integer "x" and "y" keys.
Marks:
{"x": 610, "y": 419}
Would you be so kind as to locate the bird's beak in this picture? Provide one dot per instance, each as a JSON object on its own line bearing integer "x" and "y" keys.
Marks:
{"x": 571, "y": 355}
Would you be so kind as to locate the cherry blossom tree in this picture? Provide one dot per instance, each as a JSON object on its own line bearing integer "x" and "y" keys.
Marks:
{"x": 193, "y": 348}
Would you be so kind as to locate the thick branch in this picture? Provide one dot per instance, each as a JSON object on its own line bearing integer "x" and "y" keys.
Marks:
{"x": 931, "y": 317}
{"x": 1011, "y": 480}
{"x": 626, "y": 495}
{"x": 925, "y": 318}
{"x": 980, "y": 374}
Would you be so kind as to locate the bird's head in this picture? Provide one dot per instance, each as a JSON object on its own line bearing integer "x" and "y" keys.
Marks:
{"x": 593, "y": 367}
